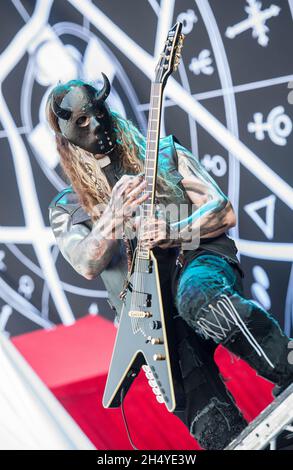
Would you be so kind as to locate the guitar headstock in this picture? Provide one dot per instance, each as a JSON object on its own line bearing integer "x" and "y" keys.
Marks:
{"x": 170, "y": 56}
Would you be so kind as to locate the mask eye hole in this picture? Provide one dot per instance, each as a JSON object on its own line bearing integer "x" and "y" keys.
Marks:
{"x": 82, "y": 121}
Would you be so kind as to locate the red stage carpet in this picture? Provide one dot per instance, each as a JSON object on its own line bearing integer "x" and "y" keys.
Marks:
{"x": 73, "y": 362}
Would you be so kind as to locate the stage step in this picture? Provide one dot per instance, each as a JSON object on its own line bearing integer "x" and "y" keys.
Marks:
{"x": 266, "y": 428}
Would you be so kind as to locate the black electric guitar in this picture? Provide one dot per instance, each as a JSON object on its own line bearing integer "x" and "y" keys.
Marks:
{"x": 142, "y": 337}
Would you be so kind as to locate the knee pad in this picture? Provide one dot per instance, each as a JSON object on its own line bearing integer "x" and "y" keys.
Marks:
{"x": 249, "y": 332}
{"x": 228, "y": 316}
{"x": 223, "y": 317}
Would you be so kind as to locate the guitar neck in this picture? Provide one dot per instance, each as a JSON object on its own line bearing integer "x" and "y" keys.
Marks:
{"x": 151, "y": 157}
{"x": 168, "y": 61}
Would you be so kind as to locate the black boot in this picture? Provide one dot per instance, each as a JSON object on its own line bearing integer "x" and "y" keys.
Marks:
{"x": 217, "y": 425}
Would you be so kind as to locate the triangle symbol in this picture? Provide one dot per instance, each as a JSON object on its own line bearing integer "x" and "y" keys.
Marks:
{"x": 267, "y": 225}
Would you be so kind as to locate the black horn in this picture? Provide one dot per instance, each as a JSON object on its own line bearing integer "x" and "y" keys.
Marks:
{"x": 103, "y": 94}
{"x": 60, "y": 112}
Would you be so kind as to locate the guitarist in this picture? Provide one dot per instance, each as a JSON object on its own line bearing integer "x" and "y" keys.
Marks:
{"x": 102, "y": 155}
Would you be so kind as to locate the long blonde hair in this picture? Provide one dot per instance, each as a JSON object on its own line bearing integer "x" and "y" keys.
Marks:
{"x": 86, "y": 177}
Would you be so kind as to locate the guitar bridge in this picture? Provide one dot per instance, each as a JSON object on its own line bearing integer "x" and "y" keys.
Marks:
{"x": 139, "y": 314}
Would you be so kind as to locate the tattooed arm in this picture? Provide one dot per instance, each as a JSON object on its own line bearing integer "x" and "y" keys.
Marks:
{"x": 88, "y": 251}
{"x": 212, "y": 213}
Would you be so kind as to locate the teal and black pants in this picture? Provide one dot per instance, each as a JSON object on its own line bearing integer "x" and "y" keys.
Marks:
{"x": 212, "y": 310}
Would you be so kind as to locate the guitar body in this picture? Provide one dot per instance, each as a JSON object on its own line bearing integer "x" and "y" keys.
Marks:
{"x": 134, "y": 344}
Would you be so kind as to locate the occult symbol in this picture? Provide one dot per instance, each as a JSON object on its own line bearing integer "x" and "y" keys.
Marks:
{"x": 26, "y": 286}
{"x": 202, "y": 63}
{"x": 260, "y": 287}
{"x": 278, "y": 126}
{"x": 188, "y": 19}
{"x": 266, "y": 226}
{"x": 256, "y": 20}
{"x": 216, "y": 164}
